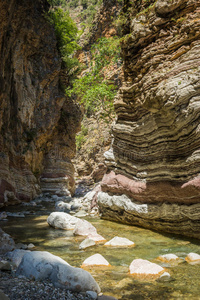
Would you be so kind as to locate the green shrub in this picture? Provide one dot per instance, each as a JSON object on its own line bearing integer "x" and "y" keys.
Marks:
{"x": 66, "y": 33}
{"x": 93, "y": 90}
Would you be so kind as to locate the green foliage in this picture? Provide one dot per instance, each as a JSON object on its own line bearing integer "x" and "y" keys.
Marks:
{"x": 92, "y": 90}
{"x": 54, "y": 3}
{"x": 105, "y": 51}
{"x": 81, "y": 137}
{"x": 66, "y": 33}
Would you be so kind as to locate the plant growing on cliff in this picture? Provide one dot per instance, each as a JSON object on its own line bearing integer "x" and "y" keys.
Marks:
{"x": 93, "y": 89}
{"x": 67, "y": 34}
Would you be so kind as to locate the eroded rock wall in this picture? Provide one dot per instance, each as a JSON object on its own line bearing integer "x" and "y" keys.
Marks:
{"x": 156, "y": 146}
{"x": 37, "y": 123}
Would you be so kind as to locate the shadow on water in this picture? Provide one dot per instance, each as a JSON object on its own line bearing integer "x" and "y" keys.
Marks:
{"x": 114, "y": 281}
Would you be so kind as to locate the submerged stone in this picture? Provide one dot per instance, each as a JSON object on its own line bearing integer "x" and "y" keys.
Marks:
{"x": 120, "y": 242}
{"x": 87, "y": 243}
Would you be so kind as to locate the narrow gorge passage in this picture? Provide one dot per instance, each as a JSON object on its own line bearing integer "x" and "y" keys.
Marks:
{"x": 102, "y": 97}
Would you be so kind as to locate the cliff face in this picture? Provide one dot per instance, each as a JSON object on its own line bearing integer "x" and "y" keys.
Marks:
{"x": 37, "y": 123}
{"x": 155, "y": 155}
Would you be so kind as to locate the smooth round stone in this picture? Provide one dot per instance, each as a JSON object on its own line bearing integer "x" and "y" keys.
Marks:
{"x": 62, "y": 220}
{"x": 193, "y": 258}
{"x": 86, "y": 243}
{"x": 164, "y": 277}
{"x": 92, "y": 295}
{"x": 30, "y": 246}
{"x": 97, "y": 238}
{"x": 169, "y": 258}
{"x": 95, "y": 260}
{"x": 144, "y": 269}
{"x": 120, "y": 242}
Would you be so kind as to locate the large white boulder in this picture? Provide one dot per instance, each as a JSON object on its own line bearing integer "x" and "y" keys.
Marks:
{"x": 144, "y": 269}
{"x": 120, "y": 242}
{"x": 41, "y": 265}
{"x": 62, "y": 220}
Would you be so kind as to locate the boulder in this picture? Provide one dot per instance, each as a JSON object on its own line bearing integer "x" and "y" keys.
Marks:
{"x": 84, "y": 228}
{"x": 62, "y": 220}
{"x": 87, "y": 243}
{"x": 62, "y": 206}
{"x": 144, "y": 269}
{"x": 120, "y": 242}
{"x": 6, "y": 242}
{"x": 193, "y": 258}
{"x": 95, "y": 260}
{"x": 16, "y": 256}
{"x": 42, "y": 265}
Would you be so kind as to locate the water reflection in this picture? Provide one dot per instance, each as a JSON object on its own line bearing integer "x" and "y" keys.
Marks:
{"x": 115, "y": 280}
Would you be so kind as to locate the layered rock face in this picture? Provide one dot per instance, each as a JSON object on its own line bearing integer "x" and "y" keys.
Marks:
{"x": 156, "y": 150}
{"x": 37, "y": 122}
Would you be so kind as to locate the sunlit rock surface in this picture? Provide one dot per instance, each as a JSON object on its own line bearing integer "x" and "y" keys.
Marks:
{"x": 193, "y": 258}
{"x": 155, "y": 153}
{"x": 37, "y": 123}
{"x": 95, "y": 260}
{"x": 119, "y": 242}
{"x": 144, "y": 269}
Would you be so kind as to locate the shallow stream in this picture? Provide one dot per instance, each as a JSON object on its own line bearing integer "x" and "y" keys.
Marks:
{"x": 114, "y": 280}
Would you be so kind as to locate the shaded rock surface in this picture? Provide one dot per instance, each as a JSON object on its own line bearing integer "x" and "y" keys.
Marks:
{"x": 6, "y": 242}
{"x": 42, "y": 265}
{"x": 37, "y": 123}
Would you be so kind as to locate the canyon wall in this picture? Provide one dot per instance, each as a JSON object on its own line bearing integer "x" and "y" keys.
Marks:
{"x": 155, "y": 155}
{"x": 37, "y": 122}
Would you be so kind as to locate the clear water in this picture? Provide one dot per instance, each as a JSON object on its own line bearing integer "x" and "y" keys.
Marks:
{"x": 114, "y": 280}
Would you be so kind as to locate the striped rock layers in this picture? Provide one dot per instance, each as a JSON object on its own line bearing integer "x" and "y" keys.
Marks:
{"x": 155, "y": 156}
{"x": 37, "y": 123}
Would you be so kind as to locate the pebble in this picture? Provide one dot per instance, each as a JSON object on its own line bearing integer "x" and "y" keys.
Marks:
{"x": 92, "y": 295}
{"x": 22, "y": 288}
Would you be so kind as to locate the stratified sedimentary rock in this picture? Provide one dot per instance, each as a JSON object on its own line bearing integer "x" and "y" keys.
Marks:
{"x": 155, "y": 154}
{"x": 37, "y": 123}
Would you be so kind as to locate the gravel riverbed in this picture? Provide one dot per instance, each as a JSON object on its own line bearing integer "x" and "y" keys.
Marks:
{"x": 18, "y": 288}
